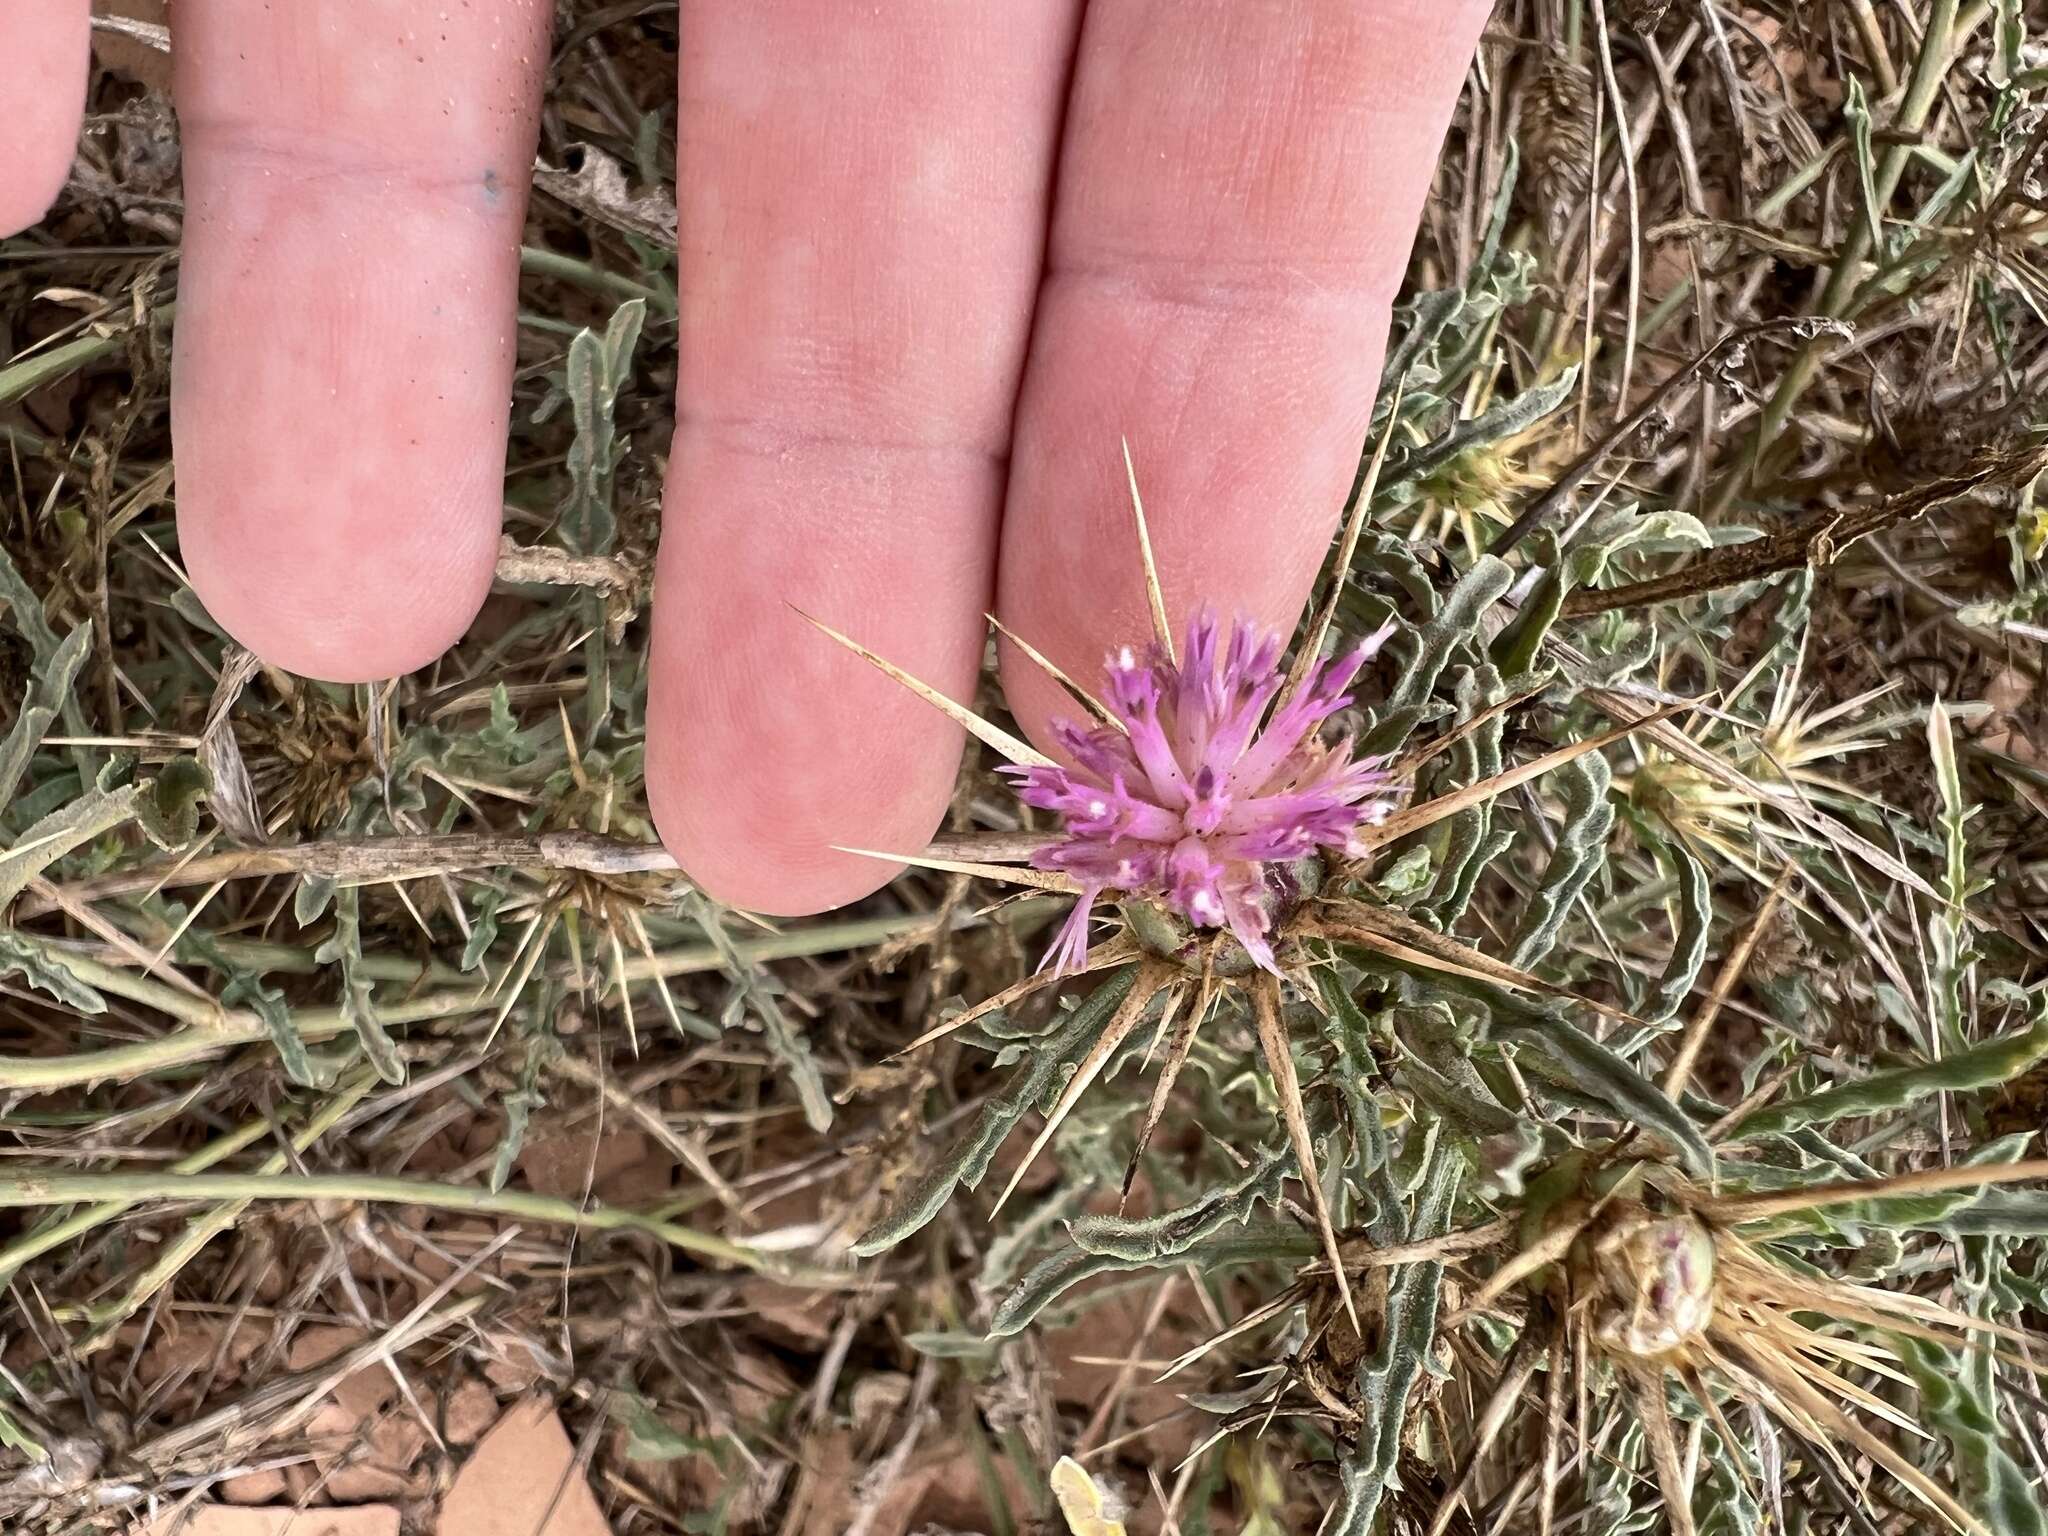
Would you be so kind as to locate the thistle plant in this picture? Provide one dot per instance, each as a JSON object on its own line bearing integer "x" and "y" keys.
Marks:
{"x": 1476, "y": 1162}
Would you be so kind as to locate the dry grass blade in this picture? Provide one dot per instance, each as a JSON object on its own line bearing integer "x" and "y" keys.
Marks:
{"x": 1505, "y": 1398}
{"x": 1736, "y": 1209}
{"x": 1428, "y": 814}
{"x": 1792, "y": 1386}
{"x": 1731, "y": 971}
{"x": 987, "y": 847}
{"x": 1547, "y": 1249}
{"x": 1150, "y": 979}
{"x": 1155, "y": 596}
{"x": 1280, "y": 1062}
{"x": 1553, "y": 1434}
{"x": 1277, "y": 1307}
{"x": 361, "y": 861}
{"x": 1008, "y": 874}
{"x": 1361, "y": 1254}
{"x": 1012, "y": 749}
{"x": 1178, "y": 1050}
{"x": 1051, "y": 669}
{"x": 1796, "y": 808}
{"x": 1401, "y": 937}
{"x": 1901, "y": 1311}
{"x": 1647, "y": 1388}
{"x": 1801, "y": 1345}
{"x": 1404, "y": 767}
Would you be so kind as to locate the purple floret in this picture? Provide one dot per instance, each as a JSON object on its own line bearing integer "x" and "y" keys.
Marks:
{"x": 1192, "y": 802}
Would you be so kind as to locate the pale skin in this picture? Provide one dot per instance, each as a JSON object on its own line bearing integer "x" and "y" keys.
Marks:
{"x": 936, "y": 258}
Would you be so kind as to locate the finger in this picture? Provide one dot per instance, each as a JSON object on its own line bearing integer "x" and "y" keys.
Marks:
{"x": 862, "y": 195}
{"x": 1238, "y": 193}
{"x": 355, "y": 185}
{"x": 44, "y": 48}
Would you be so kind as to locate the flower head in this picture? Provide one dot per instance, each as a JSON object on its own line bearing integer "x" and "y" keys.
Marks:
{"x": 1194, "y": 797}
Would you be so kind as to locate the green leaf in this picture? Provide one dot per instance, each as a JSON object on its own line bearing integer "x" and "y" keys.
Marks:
{"x": 1437, "y": 639}
{"x": 1959, "y": 1400}
{"x": 519, "y": 1107}
{"x": 1386, "y": 1377}
{"x": 1270, "y": 1242}
{"x": 597, "y": 368}
{"x": 49, "y": 688}
{"x": 1503, "y": 420}
{"x": 1149, "y": 1239}
{"x": 1984, "y": 1066}
{"x": 2010, "y": 59}
{"x": 312, "y": 899}
{"x": 345, "y": 949}
{"x": 1625, "y": 531}
{"x": 951, "y": 1346}
{"x": 649, "y": 1437}
{"x": 1467, "y": 841}
{"x": 755, "y": 993}
{"x": 483, "y": 928}
{"x": 1407, "y": 875}
{"x": 55, "y": 835}
{"x": 169, "y": 810}
{"x": 1689, "y": 945}
{"x": 1438, "y": 1071}
{"x": 14, "y": 1438}
{"x": 1856, "y": 111}
{"x": 246, "y": 989}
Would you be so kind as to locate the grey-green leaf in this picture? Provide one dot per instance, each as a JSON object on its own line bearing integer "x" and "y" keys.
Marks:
{"x": 1562, "y": 1054}
{"x": 46, "y": 973}
{"x": 1984, "y": 1066}
{"x": 1582, "y": 784}
{"x": 1050, "y": 1063}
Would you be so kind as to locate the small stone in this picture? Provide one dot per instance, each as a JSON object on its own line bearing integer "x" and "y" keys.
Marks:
{"x": 264, "y": 1487}
{"x": 361, "y": 1392}
{"x": 524, "y": 1467}
{"x": 472, "y": 1408}
{"x": 224, "y": 1520}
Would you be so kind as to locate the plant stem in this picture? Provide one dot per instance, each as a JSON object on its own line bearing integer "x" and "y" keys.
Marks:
{"x": 204, "y": 1228}
{"x": 42, "y": 1239}
{"x": 28, "y": 1189}
{"x": 1929, "y": 70}
{"x": 32, "y": 373}
{"x": 215, "y": 1029}
{"x": 542, "y": 263}
{"x": 1734, "y": 564}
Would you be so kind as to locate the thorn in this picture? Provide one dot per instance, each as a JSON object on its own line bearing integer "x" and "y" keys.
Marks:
{"x": 993, "y": 735}
{"x": 1162, "y": 631}
{"x": 1280, "y": 1062}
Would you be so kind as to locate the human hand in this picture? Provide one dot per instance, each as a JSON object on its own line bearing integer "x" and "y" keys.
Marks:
{"x": 936, "y": 258}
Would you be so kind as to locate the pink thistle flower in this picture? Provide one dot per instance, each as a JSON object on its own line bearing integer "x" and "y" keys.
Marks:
{"x": 1191, "y": 802}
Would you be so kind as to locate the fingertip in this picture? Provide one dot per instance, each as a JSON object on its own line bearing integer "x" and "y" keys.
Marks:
{"x": 761, "y": 779}
{"x": 759, "y": 844}
{"x": 373, "y": 605}
{"x": 45, "y": 47}
{"x": 342, "y": 379}
{"x": 772, "y": 748}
